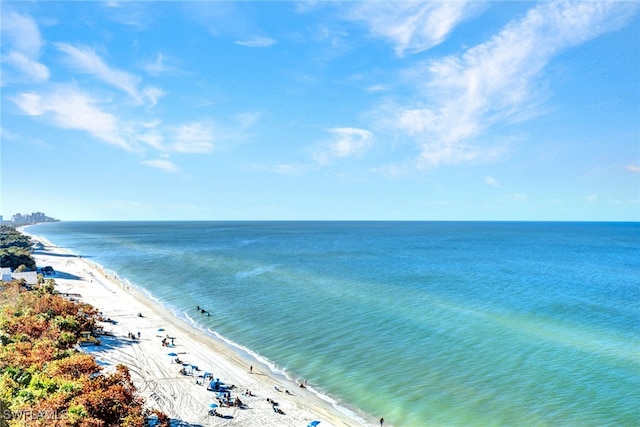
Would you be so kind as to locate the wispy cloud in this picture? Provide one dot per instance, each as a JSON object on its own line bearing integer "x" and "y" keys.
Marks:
{"x": 28, "y": 67}
{"x": 377, "y": 88}
{"x": 162, "y": 164}
{"x": 153, "y": 94}
{"x": 22, "y": 32}
{"x": 247, "y": 119}
{"x": 131, "y": 13}
{"x": 195, "y": 137}
{"x": 70, "y": 108}
{"x": 86, "y": 60}
{"x": 491, "y": 181}
{"x": 22, "y": 36}
{"x": 158, "y": 66}
{"x": 497, "y": 81}
{"x": 633, "y": 168}
{"x": 153, "y": 138}
{"x": 414, "y": 26}
{"x": 347, "y": 142}
{"x": 257, "y": 42}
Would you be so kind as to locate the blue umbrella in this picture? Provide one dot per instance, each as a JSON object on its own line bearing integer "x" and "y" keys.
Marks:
{"x": 213, "y": 405}
{"x": 172, "y": 354}
{"x": 160, "y": 330}
{"x": 313, "y": 423}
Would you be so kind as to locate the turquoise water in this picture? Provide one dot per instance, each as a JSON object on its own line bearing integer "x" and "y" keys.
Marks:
{"x": 424, "y": 323}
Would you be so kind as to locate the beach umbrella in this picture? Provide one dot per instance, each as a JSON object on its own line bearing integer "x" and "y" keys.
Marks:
{"x": 313, "y": 423}
{"x": 213, "y": 405}
{"x": 161, "y": 330}
{"x": 172, "y": 354}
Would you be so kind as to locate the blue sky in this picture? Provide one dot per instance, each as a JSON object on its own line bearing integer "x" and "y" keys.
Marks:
{"x": 463, "y": 110}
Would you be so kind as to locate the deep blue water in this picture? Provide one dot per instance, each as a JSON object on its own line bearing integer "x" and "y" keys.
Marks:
{"x": 424, "y": 323}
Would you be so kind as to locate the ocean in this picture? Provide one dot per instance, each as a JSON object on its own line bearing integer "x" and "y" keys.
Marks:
{"x": 422, "y": 323}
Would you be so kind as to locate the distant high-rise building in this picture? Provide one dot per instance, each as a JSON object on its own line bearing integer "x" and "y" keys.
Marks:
{"x": 32, "y": 218}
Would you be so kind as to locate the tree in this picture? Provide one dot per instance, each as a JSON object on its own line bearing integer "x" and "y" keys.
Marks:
{"x": 15, "y": 249}
{"x": 44, "y": 380}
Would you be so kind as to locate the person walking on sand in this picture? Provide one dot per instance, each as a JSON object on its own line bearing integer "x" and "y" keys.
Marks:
{"x": 381, "y": 422}
{"x": 251, "y": 369}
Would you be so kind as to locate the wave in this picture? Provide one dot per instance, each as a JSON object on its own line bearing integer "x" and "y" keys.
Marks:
{"x": 255, "y": 272}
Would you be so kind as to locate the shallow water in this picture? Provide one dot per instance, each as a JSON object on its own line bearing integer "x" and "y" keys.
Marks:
{"x": 424, "y": 323}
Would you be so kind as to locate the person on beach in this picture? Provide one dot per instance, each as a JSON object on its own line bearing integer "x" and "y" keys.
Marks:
{"x": 381, "y": 422}
{"x": 251, "y": 369}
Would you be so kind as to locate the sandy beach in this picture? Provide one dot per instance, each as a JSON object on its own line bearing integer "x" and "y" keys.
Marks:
{"x": 184, "y": 398}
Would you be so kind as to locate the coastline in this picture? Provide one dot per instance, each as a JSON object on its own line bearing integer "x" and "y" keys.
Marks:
{"x": 156, "y": 375}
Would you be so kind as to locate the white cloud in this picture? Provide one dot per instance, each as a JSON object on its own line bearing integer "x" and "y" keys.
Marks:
{"x": 30, "y": 104}
{"x": 196, "y": 137}
{"x": 22, "y": 33}
{"x": 496, "y": 81}
{"x": 156, "y": 67}
{"x": 247, "y": 119}
{"x": 377, "y": 88}
{"x": 633, "y": 168}
{"x": 257, "y": 42}
{"x": 491, "y": 181}
{"x": 7, "y": 135}
{"x": 153, "y": 93}
{"x": 153, "y": 139}
{"x": 22, "y": 36}
{"x": 347, "y": 142}
{"x": 350, "y": 141}
{"x": 414, "y": 26}
{"x": 163, "y": 164}
{"x": 162, "y": 64}
{"x": 152, "y": 124}
{"x": 32, "y": 69}
{"x": 69, "y": 108}
{"x": 85, "y": 60}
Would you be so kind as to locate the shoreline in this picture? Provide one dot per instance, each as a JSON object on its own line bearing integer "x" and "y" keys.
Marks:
{"x": 156, "y": 375}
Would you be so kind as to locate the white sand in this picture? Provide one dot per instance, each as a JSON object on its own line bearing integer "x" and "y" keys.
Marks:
{"x": 157, "y": 376}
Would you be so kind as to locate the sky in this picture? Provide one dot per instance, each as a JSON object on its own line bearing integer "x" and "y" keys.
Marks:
{"x": 321, "y": 110}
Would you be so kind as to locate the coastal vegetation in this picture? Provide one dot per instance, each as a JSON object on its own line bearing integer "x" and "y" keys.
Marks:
{"x": 44, "y": 379}
{"x": 15, "y": 250}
